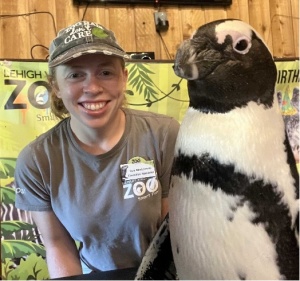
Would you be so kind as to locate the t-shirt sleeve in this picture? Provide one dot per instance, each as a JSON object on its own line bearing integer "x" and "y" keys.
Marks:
{"x": 31, "y": 193}
{"x": 168, "y": 149}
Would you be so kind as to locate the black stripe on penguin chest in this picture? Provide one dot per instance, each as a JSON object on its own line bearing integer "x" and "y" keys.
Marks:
{"x": 263, "y": 199}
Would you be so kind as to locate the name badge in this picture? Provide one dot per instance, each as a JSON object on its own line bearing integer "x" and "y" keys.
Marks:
{"x": 139, "y": 179}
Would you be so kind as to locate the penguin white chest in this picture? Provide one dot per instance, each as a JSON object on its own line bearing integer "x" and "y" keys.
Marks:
{"x": 213, "y": 237}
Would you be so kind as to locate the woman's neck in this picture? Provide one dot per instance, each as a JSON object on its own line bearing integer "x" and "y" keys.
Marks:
{"x": 102, "y": 140}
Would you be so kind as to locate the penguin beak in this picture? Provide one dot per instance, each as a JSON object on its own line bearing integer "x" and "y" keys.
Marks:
{"x": 185, "y": 59}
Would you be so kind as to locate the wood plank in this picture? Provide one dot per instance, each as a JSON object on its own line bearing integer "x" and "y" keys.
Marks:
{"x": 46, "y": 20}
{"x": 4, "y": 10}
{"x": 173, "y": 37}
{"x": 145, "y": 31}
{"x": 95, "y": 13}
{"x": 192, "y": 19}
{"x": 214, "y": 13}
{"x": 16, "y": 43}
{"x": 66, "y": 13}
{"x": 239, "y": 9}
{"x": 295, "y": 15}
{"x": 121, "y": 22}
{"x": 160, "y": 40}
{"x": 259, "y": 19}
{"x": 282, "y": 28}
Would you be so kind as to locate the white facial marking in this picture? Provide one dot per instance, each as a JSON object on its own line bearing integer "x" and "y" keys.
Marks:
{"x": 235, "y": 29}
{"x": 192, "y": 36}
{"x": 194, "y": 69}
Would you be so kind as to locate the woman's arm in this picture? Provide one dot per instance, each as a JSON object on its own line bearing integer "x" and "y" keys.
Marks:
{"x": 62, "y": 254}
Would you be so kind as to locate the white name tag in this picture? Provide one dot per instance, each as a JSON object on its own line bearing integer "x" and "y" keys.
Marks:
{"x": 137, "y": 171}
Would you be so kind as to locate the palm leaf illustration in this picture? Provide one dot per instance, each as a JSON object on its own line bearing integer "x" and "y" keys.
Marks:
{"x": 7, "y": 266}
{"x": 8, "y": 227}
{"x": 7, "y": 167}
{"x": 32, "y": 268}
{"x": 8, "y": 195}
{"x": 19, "y": 248}
{"x": 140, "y": 80}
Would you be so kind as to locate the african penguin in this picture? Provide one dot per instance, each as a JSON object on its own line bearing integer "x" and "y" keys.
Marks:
{"x": 234, "y": 192}
{"x": 158, "y": 262}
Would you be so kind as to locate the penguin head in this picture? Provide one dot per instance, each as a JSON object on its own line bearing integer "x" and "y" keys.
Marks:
{"x": 227, "y": 65}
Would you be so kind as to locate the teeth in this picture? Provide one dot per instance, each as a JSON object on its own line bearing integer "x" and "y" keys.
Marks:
{"x": 93, "y": 106}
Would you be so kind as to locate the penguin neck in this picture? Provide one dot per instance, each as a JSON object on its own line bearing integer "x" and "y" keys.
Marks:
{"x": 209, "y": 97}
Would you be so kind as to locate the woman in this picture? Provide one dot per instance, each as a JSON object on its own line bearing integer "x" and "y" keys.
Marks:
{"x": 101, "y": 175}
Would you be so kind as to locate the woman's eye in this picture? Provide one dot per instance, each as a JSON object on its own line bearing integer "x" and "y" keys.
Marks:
{"x": 74, "y": 75}
{"x": 106, "y": 72}
{"x": 242, "y": 46}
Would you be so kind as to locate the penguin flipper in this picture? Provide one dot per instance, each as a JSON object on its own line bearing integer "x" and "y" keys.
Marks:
{"x": 158, "y": 263}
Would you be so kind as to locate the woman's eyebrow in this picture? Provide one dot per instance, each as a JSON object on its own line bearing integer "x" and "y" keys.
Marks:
{"x": 105, "y": 63}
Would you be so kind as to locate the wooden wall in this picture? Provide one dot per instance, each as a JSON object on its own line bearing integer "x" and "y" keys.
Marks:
{"x": 276, "y": 20}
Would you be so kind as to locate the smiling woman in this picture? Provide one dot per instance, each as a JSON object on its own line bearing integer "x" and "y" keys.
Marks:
{"x": 73, "y": 175}
{"x": 92, "y": 90}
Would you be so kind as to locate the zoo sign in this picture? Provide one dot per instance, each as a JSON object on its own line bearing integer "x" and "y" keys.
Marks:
{"x": 17, "y": 81}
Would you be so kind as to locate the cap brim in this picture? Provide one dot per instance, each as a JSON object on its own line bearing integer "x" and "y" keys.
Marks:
{"x": 91, "y": 48}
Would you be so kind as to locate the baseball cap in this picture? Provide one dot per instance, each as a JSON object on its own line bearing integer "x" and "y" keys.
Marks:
{"x": 83, "y": 38}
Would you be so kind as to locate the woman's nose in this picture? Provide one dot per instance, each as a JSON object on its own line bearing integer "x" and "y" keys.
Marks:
{"x": 92, "y": 85}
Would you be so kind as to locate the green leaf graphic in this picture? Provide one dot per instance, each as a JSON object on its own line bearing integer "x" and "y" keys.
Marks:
{"x": 98, "y": 32}
{"x": 33, "y": 268}
{"x": 139, "y": 80}
{"x": 132, "y": 74}
{"x": 8, "y": 195}
{"x": 146, "y": 77}
{"x": 145, "y": 69}
{"x": 7, "y": 167}
{"x": 19, "y": 248}
{"x": 136, "y": 79}
{"x": 8, "y": 227}
{"x": 7, "y": 266}
{"x": 129, "y": 92}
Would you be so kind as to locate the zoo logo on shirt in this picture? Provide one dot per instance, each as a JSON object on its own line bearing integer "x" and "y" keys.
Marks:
{"x": 139, "y": 179}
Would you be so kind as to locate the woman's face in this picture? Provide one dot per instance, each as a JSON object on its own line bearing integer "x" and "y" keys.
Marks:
{"x": 92, "y": 89}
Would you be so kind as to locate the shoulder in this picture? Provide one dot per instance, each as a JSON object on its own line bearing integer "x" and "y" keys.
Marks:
{"x": 43, "y": 142}
{"x": 152, "y": 120}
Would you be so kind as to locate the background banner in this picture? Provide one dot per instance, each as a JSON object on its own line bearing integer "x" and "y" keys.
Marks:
{"x": 25, "y": 114}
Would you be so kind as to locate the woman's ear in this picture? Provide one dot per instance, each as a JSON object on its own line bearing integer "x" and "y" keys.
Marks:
{"x": 125, "y": 79}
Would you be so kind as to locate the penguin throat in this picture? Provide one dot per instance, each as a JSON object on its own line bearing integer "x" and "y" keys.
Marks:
{"x": 207, "y": 105}
{"x": 209, "y": 98}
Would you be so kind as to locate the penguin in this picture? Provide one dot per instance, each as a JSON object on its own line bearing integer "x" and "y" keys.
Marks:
{"x": 234, "y": 191}
{"x": 158, "y": 262}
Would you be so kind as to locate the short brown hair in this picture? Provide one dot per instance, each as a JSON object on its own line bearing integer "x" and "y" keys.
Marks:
{"x": 56, "y": 104}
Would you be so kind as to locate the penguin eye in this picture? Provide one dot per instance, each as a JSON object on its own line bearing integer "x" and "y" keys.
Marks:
{"x": 242, "y": 45}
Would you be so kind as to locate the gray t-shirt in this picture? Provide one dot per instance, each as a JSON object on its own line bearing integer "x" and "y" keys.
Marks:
{"x": 114, "y": 214}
